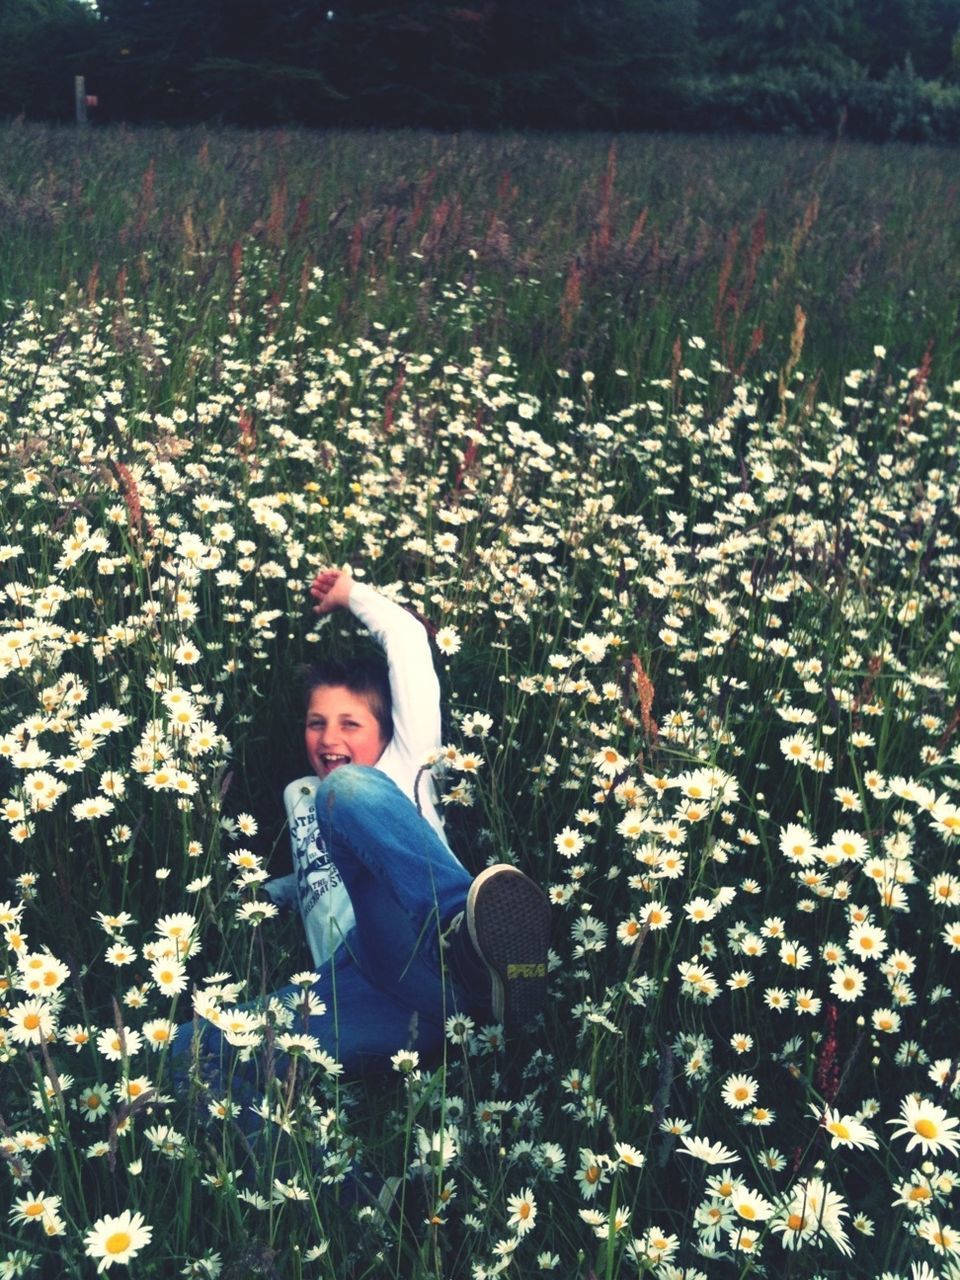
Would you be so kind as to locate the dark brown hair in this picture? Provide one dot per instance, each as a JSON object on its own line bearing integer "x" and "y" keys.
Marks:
{"x": 366, "y": 678}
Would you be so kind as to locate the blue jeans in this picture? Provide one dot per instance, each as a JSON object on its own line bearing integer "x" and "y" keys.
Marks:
{"x": 387, "y": 986}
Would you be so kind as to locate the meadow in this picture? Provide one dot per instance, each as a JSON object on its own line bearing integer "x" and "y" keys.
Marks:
{"x": 659, "y": 437}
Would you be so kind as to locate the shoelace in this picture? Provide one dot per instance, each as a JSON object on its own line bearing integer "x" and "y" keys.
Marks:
{"x": 448, "y": 935}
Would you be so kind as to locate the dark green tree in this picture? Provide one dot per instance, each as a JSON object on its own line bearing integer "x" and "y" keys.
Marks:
{"x": 147, "y": 51}
{"x": 887, "y": 32}
{"x": 486, "y": 62}
{"x": 756, "y": 34}
{"x": 241, "y": 61}
{"x": 945, "y": 26}
{"x": 653, "y": 45}
{"x": 43, "y": 45}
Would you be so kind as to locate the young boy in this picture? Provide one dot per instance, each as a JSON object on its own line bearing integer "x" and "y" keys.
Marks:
{"x": 400, "y": 933}
{"x": 366, "y": 713}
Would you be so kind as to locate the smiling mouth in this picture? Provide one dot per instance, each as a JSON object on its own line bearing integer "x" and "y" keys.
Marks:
{"x": 332, "y": 762}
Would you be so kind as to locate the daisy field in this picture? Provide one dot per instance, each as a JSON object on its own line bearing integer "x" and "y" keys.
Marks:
{"x": 662, "y": 449}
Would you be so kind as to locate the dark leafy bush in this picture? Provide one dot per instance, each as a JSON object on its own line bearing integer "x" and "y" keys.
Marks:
{"x": 779, "y": 100}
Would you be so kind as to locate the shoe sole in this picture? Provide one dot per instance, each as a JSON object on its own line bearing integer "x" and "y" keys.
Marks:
{"x": 508, "y": 918}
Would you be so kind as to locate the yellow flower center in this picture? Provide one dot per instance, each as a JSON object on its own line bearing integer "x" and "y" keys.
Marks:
{"x": 119, "y": 1242}
{"x": 926, "y": 1128}
{"x": 747, "y": 1211}
{"x": 795, "y": 1222}
{"x": 31, "y": 1021}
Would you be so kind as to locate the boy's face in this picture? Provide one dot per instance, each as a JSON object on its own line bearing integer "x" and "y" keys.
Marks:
{"x": 340, "y": 729}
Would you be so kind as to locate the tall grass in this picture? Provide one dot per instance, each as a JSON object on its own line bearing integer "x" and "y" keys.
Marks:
{"x": 601, "y": 251}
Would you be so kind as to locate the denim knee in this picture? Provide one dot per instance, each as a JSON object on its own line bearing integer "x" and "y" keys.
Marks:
{"x": 348, "y": 785}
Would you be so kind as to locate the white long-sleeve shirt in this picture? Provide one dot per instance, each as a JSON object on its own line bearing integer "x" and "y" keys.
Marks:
{"x": 315, "y": 886}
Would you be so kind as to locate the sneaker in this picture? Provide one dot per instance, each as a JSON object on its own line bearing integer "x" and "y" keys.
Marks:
{"x": 508, "y": 919}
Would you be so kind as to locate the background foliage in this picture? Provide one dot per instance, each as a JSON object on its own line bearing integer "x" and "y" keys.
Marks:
{"x": 881, "y": 70}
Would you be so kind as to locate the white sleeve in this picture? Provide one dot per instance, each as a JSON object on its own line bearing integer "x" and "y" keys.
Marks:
{"x": 414, "y": 687}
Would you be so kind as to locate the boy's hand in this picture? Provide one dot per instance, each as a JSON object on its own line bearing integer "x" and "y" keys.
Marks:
{"x": 330, "y": 590}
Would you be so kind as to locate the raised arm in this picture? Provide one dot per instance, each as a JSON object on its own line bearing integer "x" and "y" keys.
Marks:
{"x": 414, "y": 687}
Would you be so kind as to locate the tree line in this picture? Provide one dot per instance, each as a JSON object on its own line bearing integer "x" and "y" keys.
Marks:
{"x": 877, "y": 68}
